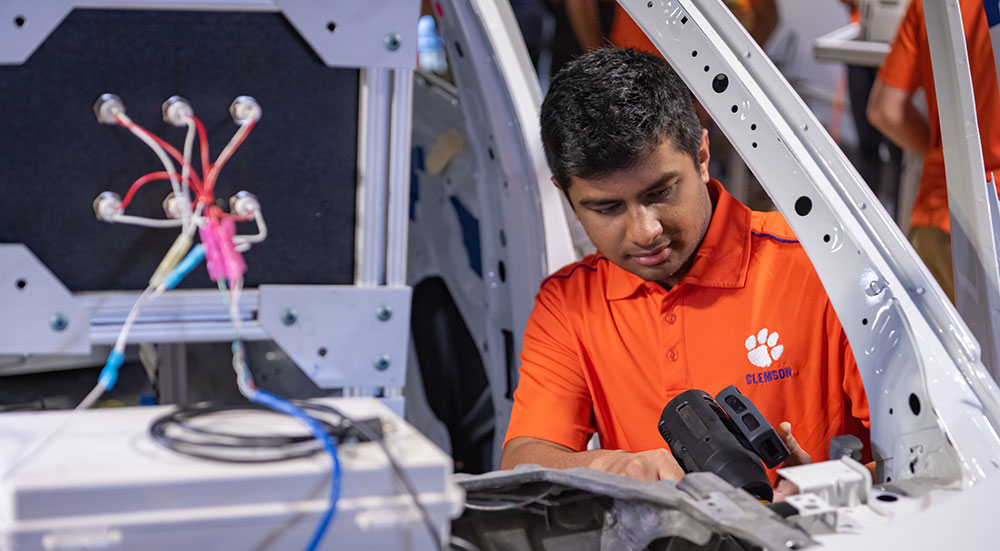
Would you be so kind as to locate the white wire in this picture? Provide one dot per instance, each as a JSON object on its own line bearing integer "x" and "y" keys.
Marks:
{"x": 244, "y": 381}
{"x": 147, "y": 222}
{"x": 164, "y": 158}
{"x": 186, "y": 169}
{"x": 261, "y": 234}
{"x": 150, "y": 294}
{"x": 196, "y": 220}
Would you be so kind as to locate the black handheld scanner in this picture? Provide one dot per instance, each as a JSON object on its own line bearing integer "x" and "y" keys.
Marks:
{"x": 726, "y": 435}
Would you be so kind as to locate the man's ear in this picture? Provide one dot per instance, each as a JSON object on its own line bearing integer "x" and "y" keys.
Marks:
{"x": 564, "y": 192}
{"x": 703, "y": 156}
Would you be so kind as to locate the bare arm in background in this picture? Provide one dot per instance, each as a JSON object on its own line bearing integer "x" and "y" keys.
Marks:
{"x": 892, "y": 112}
{"x": 585, "y": 18}
{"x": 765, "y": 20}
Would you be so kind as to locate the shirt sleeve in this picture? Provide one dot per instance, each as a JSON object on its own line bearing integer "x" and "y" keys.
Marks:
{"x": 552, "y": 401}
{"x": 901, "y": 69}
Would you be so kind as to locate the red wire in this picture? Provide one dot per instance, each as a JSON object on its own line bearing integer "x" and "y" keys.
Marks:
{"x": 206, "y": 166}
{"x": 151, "y": 177}
{"x": 196, "y": 183}
{"x": 219, "y": 163}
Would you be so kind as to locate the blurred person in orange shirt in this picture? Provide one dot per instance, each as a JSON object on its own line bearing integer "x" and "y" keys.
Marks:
{"x": 906, "y": 68}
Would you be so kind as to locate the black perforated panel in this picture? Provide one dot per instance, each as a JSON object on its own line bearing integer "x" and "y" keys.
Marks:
{"x": 55, "y": 158}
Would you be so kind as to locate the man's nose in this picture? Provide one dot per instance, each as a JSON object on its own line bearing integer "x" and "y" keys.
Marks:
{"x": 643, "y": 226}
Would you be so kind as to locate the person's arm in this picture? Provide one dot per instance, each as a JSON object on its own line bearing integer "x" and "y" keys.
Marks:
{"x": 765, "y": 20}
{"x": 648, "y": 465}
{"x": 892, "y": 112}
{"x": 585, "y": 18}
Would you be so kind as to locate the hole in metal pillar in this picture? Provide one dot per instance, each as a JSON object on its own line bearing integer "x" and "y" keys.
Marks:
{"x": 720, "y": 83}
{"x": 803, "y": 205}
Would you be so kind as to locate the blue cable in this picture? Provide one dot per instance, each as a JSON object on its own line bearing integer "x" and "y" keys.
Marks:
{"x": 185, "y": 266}
{"x": 286, "y": 407}
{"x": 109, "y": 375}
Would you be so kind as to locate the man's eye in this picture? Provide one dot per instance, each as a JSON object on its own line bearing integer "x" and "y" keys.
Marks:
{"x": 663, "y": 193}
{"x": 607, "y": 210}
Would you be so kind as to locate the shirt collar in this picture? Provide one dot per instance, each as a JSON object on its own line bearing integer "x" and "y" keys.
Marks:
{"x": 721, "y": 261}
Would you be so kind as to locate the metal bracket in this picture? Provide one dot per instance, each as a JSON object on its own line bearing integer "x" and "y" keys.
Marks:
{"x": 365, "y": 345}
{"x": 47, "y": 319}
{"x": 356, "y": 35}
{"x": 349, "y": 34}
{"x": 843, "y": 483}
{"x": 25, "y": 24}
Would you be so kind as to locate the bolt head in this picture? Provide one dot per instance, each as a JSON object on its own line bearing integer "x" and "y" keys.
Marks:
{"x": 106, "y": 205}
{"x": 875, "y": 287}
{"x": 244, "y": 109}
{"x": 382, "y": 362}
{"x": 289, "y": 316}
{"x": 393, "y": 41}
{"x": 58, "y": 322}
{"x": 383, "y": 312}
{"x": 243, "y": 203}
{"x": 176, "y": 110}
{"x": 106, "y": 107}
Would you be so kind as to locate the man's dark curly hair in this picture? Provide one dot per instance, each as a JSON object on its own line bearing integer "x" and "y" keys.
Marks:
{"x": 606, "y": 108}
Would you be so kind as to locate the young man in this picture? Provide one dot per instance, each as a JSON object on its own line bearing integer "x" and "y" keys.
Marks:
{"x": 906, "y": 68}
{"x": 690, "y": 289}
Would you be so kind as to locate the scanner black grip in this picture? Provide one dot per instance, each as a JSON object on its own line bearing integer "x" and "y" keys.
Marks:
{"x": 693, "y": 426}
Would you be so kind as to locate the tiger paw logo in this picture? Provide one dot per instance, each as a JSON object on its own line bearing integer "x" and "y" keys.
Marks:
{"x": 763, "y": 348}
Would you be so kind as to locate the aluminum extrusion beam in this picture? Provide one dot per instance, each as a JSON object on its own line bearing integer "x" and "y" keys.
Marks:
{"x": 971, "y": 199}
{"x": 373, "y": 150}
{"x": 399, "y": 176}
{"x": 934, "y": 410}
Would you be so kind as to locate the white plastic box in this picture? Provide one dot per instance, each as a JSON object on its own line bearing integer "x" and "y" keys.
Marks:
{"x": 104, "y": 484}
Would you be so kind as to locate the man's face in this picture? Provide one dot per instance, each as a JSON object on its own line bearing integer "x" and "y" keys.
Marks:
{"x": 648, "y": 219}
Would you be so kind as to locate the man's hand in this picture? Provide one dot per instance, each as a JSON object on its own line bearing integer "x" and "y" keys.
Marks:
{"x": 648, "y": 465}
{"x": 796, "y": 456}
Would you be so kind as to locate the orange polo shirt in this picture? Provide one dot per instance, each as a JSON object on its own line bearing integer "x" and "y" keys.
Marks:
{"x": 908, "y": 67}
{"x": 604, "y": 350}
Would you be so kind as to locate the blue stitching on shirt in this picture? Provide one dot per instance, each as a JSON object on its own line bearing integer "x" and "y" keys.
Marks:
{"x": 566, "y": 276}
{"x": 775, "y": 237}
